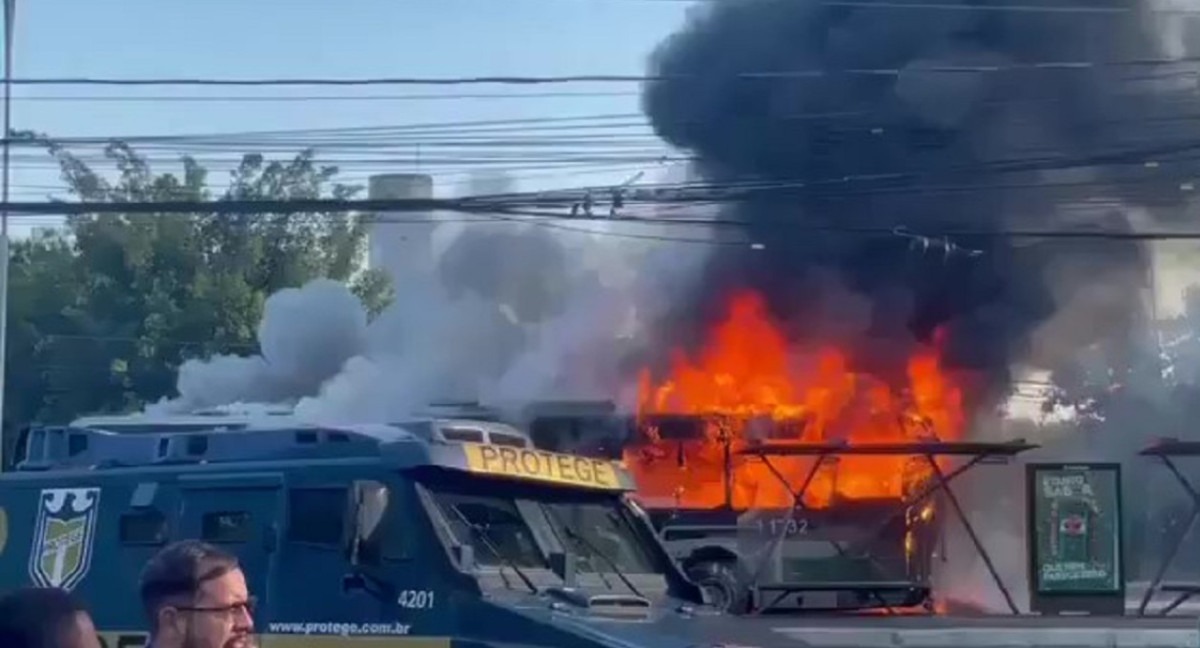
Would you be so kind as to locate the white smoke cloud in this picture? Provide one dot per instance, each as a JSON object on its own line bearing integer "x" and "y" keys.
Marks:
{"x": 507, "y": 312}
{"x": 306, "y": 334}
{"x": 561, "y": 361}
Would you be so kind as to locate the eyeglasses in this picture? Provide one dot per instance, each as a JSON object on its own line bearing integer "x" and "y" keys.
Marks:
{"x": 246, "y": 607}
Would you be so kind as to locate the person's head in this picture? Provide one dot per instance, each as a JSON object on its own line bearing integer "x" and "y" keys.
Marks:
{"x": 36, "y": 617}
{"x": 195, "y": 596}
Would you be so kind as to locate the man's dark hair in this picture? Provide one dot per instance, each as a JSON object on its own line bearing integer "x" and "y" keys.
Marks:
{"x": 177, "y": 572}
{"x": 36, "y": 617}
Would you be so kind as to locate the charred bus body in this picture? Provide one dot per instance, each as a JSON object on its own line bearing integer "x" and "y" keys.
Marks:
{"x": 732, "y": 521}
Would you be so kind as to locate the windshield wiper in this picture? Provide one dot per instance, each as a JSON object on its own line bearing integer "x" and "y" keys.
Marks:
{"x": 481, "y": 532}
{"x": 612, "y": 564}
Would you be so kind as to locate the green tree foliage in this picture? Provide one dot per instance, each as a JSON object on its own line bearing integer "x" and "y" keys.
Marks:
{"x": 103, "y": 312}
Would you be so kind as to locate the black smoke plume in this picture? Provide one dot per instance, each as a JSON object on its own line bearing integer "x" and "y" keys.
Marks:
{"x": 934, "y": 121}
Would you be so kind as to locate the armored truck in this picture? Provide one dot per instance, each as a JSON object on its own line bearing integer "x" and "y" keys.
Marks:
{"x": 429, "y": 532}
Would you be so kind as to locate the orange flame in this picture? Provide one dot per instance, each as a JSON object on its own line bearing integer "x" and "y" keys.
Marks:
{"x": 748, "y": 371}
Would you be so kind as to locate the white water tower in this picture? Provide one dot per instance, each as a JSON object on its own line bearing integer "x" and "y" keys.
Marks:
{"x": 401, "y": 248}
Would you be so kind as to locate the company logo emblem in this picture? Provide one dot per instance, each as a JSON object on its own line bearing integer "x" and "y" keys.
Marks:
{"x": 62, "y": 540}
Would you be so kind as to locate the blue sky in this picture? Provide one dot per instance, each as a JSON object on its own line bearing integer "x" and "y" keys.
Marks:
{"x": 311, "y": 38}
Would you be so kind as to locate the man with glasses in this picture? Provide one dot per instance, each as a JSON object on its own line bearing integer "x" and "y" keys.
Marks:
{"x": 195, "y": 596}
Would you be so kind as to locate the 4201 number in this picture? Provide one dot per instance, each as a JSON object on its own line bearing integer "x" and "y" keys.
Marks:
{"x": 415, "y": 599}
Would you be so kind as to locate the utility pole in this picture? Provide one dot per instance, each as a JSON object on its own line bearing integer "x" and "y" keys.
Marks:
{"x": 10, "y": 17}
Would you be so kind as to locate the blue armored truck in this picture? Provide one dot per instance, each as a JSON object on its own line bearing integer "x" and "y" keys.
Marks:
{"x": 429, "y": 532}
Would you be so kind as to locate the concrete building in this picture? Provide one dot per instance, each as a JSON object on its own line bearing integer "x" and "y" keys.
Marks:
{"x": 401, "y": 248}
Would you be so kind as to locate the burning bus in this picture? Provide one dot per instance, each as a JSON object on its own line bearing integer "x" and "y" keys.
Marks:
{"x": 727, "y": 515}
{"x": 722, "y": 451}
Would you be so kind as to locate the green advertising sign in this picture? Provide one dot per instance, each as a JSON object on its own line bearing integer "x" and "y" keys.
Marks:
{"x": 1075, "y": 528}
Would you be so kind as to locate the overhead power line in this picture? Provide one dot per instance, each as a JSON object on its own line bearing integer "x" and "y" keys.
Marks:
{"x": 243, "y": 206}
{"x": 522, "y": 124}
{"x": 1143, "y": 161}
{"x": 486, "y": 210}
{"x": 502, "y": 80}
{"x": 376, "y": 147}
{"x": 600, "y": 78}
{"x": 456, "y": 96}
{"x": 890, "y": 5}
{"x": 592, "y": 123}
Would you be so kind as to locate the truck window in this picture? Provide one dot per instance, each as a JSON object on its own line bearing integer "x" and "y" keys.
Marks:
{"x": 604, "y": 531}
{"x": 76, "y": 444}
{"x": 143, "y": 527}
{"x": 382, "y": 519}
{"x": 317, "y": 515}
{"x": 498, "y": 528}
{"x": 607, "y": 529}
{"x": 225, "y": 526}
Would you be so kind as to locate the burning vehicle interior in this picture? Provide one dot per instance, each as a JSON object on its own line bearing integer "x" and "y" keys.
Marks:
{"x": 758, "y": 468}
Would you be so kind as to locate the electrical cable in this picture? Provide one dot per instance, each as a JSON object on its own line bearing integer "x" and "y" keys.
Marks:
{"x": 858, "y": 186}
{"x": 522, "y": 125}
{"x": 1070, "y": 66}
{"x": 460, "y": 205}
{"x": 1158, "y": 150}
{"x": 307, "y": 98}
{"x": 944, "y": 6}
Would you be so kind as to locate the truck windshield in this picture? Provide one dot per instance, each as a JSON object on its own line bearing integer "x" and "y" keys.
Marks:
{"x": 493, "y": 527}
{"x": 525, "y": 524}
{"x": 600, "y": 534}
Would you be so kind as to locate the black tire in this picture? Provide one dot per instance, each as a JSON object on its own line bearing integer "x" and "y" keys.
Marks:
{"x": 723, "y": 587}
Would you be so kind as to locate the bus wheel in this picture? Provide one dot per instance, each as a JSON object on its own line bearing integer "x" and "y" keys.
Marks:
{"x": 721, "y": 585}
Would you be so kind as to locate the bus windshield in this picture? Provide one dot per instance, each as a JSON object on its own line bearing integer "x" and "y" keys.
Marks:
{"x": 514, "y": 523}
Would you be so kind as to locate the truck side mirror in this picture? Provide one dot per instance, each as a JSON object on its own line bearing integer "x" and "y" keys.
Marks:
{"x": 364, "y": 527}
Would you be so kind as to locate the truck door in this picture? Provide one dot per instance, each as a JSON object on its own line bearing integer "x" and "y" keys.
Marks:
{"x": 240, "y": 515}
